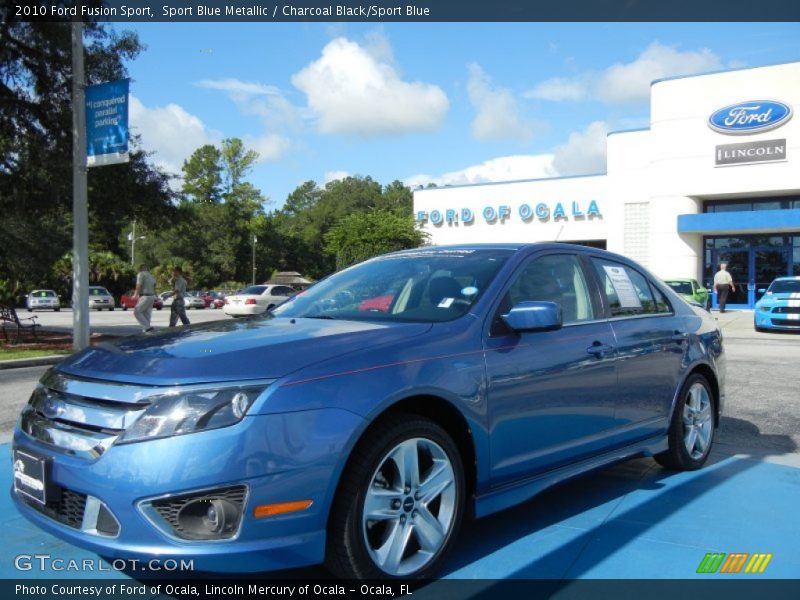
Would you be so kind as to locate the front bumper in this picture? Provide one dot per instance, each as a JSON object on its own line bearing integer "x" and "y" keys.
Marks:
{"x": 775, "y": 319}
{"x": 279, "y": 458}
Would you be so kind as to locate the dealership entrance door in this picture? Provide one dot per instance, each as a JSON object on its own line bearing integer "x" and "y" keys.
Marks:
{"x": 753, "y": 262}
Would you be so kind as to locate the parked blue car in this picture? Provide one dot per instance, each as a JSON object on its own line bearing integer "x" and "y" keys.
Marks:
{"x": 358, "y": 432}
{"x": 779, "y": 307}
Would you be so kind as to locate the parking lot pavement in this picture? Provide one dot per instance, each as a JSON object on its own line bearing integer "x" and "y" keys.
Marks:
{"x": 119, "y": 322}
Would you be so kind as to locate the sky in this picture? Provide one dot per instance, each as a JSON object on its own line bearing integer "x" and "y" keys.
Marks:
{"x": 444, "y": 103}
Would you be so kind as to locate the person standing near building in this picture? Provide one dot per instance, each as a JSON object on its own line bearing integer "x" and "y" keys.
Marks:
{"x": 178, "y": 309}
{"x": 146, "y": 294}
{"x": 723, "y": 283}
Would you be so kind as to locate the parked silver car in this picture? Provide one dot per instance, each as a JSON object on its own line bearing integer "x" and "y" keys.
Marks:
{"x": 100, "y": 298}
{"x": 42, "y": 300}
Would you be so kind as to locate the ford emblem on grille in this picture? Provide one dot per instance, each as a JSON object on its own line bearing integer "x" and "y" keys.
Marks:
{"x": 753, "y": 116}
{"x": 52, "y": 407}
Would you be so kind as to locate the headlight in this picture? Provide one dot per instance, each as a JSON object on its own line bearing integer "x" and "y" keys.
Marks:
{"x": 188, "y": 412}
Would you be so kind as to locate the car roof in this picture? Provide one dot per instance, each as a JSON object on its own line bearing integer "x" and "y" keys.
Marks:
{"x": 795, "y": 278}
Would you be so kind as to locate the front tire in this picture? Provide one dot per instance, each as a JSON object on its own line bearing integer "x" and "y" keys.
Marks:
{"x": 399, "y": 504}
{"x": 691, "y": 432}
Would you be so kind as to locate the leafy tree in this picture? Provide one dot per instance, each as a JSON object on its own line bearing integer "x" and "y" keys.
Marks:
{"x": 363, "y": 235}
{"x": 36, "y": 149}
{"x": 236, "y": 162}
{"x": 202, "y": 175}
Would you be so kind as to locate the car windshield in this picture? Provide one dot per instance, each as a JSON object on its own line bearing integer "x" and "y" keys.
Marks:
{"x": 44, "y": 294}
{"x": 788, "y": 286}
{"x": 254, "y": 290}
{"x": 96, "y": 291}
{"x": 681, "y": 287}
{"x": 425, "y": 285}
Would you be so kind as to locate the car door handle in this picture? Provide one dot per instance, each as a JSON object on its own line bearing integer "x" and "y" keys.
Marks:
{"x": 599, "y": 350}
{"x": 679, "y": 337}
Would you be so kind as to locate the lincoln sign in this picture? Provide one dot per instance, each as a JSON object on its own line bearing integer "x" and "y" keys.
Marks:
{"x": 750, "y": 152}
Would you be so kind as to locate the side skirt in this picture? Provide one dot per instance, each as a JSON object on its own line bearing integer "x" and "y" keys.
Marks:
{"x": 519, "y": 492}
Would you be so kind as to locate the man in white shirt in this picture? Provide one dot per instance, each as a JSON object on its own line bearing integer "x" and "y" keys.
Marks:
{"x": 723, "y": 283}
{"x": 146, "y": 294}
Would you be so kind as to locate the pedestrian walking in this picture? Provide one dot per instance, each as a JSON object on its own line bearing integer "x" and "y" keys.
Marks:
{"x": 723, "y": 283}
{"x": 178, "y": 309}
{"x": 145, "y": 295}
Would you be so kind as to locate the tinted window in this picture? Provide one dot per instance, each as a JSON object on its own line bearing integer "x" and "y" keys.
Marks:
{"x": 785, "y": 287}
{"x": 44, "y": 294}
{"x": 98, "y": 291}
{"x": 555, "y": 278}
{"x": 255, "y": 290}
{"x": 681, "y": 287}
{"x": 282, "y": 291}
{"x": 627, "y": 290}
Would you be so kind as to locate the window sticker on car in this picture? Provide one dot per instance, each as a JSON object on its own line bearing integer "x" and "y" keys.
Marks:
{"x": 446, "y": 302}
{"x": 469, "y": 291}
{"x": 628, "y": 298}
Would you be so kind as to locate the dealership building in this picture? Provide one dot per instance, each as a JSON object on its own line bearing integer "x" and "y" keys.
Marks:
{"x": 715, "y": 178}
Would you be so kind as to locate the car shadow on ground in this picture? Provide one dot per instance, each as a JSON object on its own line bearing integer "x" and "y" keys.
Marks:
{"x": 586, "y": 505}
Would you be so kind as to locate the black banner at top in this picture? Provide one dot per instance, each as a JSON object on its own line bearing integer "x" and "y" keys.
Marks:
{"x": 382, "y": 11}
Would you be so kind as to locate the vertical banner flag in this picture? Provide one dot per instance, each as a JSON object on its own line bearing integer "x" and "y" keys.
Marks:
{"x": 107, "y": 123}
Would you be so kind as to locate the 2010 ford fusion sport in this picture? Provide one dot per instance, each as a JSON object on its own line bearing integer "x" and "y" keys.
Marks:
{"x": 359, "y": 422}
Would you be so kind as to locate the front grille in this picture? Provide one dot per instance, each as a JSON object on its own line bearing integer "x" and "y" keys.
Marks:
{"x": 169, "y": 508}
{"x": 786, "y": 323}
{"x": 67, "y": 509}
{"x": 790, "y": 310}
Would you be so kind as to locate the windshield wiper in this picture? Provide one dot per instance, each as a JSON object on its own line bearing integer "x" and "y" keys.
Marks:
{"x": 320, "y": 317}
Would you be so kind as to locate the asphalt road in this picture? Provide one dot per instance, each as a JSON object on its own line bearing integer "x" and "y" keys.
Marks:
{"x": 119, "y": 321}
{"x": 762, "y": 415}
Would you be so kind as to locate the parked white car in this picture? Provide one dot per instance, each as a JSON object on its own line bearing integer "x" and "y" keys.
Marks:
{"x": 256, "y": 299}
{"x": 43, "y": 300}
{"x": 100, "y": 298}
{"x": 189, "y": 300}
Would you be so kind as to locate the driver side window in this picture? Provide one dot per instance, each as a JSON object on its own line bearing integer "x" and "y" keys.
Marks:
{"x": 555, "y": 278}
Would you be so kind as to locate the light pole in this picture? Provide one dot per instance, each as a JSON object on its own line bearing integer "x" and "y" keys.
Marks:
{"x": 132, "y": 239}
{"x": 255, "y": 239}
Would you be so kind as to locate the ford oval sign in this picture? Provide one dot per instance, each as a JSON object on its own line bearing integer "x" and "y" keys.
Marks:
{"x": 753, "y": 116}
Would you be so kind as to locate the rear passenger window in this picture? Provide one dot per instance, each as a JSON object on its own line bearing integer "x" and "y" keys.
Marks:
{"x": 628, "y": 291}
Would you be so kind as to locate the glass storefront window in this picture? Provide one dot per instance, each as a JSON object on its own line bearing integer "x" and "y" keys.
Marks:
{"x": 718, "y": 206}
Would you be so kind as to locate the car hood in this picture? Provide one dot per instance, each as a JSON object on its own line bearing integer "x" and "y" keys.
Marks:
{"x": 263, "y": 348}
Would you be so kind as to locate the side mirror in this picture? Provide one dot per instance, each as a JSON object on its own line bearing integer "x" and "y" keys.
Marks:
{"x": 762, "y": 290}
{"x": 534, "y": 316}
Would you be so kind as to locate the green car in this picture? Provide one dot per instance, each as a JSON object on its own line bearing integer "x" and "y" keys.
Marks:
{"x": 691, "y": 290}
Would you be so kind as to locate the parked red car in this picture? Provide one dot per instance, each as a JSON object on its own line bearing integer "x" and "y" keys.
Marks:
{"x": 214, "y": 299}
{"x": 127, "y": 301}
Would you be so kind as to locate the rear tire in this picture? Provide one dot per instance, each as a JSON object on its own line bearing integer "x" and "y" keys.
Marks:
{"x": 691, "y": 432}
{"x": 407, "y": 473}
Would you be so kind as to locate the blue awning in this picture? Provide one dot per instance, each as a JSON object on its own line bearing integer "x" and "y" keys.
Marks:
{"x": 746, "y": 221}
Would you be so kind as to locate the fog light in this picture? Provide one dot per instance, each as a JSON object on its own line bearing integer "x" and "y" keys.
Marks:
{"x": 764, "y": 308}
{"x": 209, "y": 518}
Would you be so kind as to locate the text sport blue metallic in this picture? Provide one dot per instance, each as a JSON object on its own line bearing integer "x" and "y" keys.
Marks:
{"x": 358, "y": 422}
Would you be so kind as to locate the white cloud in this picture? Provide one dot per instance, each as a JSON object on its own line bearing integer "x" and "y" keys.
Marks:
{"x": 335, "y": 176}
{"x": 270, "y": 146}
{"x": 351, "y": 91}
{"x": 265, "y": 101}
{"x": 504, "y": 168}
{"x": 584, "y": 151}
{"x": 171, "y": 131}
{"x": 628, "y": 82}
{"x": 497, "y": 113}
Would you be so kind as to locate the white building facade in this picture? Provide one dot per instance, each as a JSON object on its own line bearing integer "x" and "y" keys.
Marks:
{"x": 715, "y": 178}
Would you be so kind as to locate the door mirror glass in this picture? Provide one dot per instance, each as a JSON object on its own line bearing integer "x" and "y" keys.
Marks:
{"x": 534, "y": 316}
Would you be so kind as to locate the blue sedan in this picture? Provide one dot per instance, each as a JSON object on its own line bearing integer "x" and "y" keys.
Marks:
{"x": 779, "y": 307}
{"x": 359, "y": 422}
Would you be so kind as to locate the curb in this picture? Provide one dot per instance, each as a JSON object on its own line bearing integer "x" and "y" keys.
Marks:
{"x": 38, "y": 361}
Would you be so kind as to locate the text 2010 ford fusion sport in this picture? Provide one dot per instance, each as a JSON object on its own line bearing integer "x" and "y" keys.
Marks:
{"x": 333, "y": 431}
